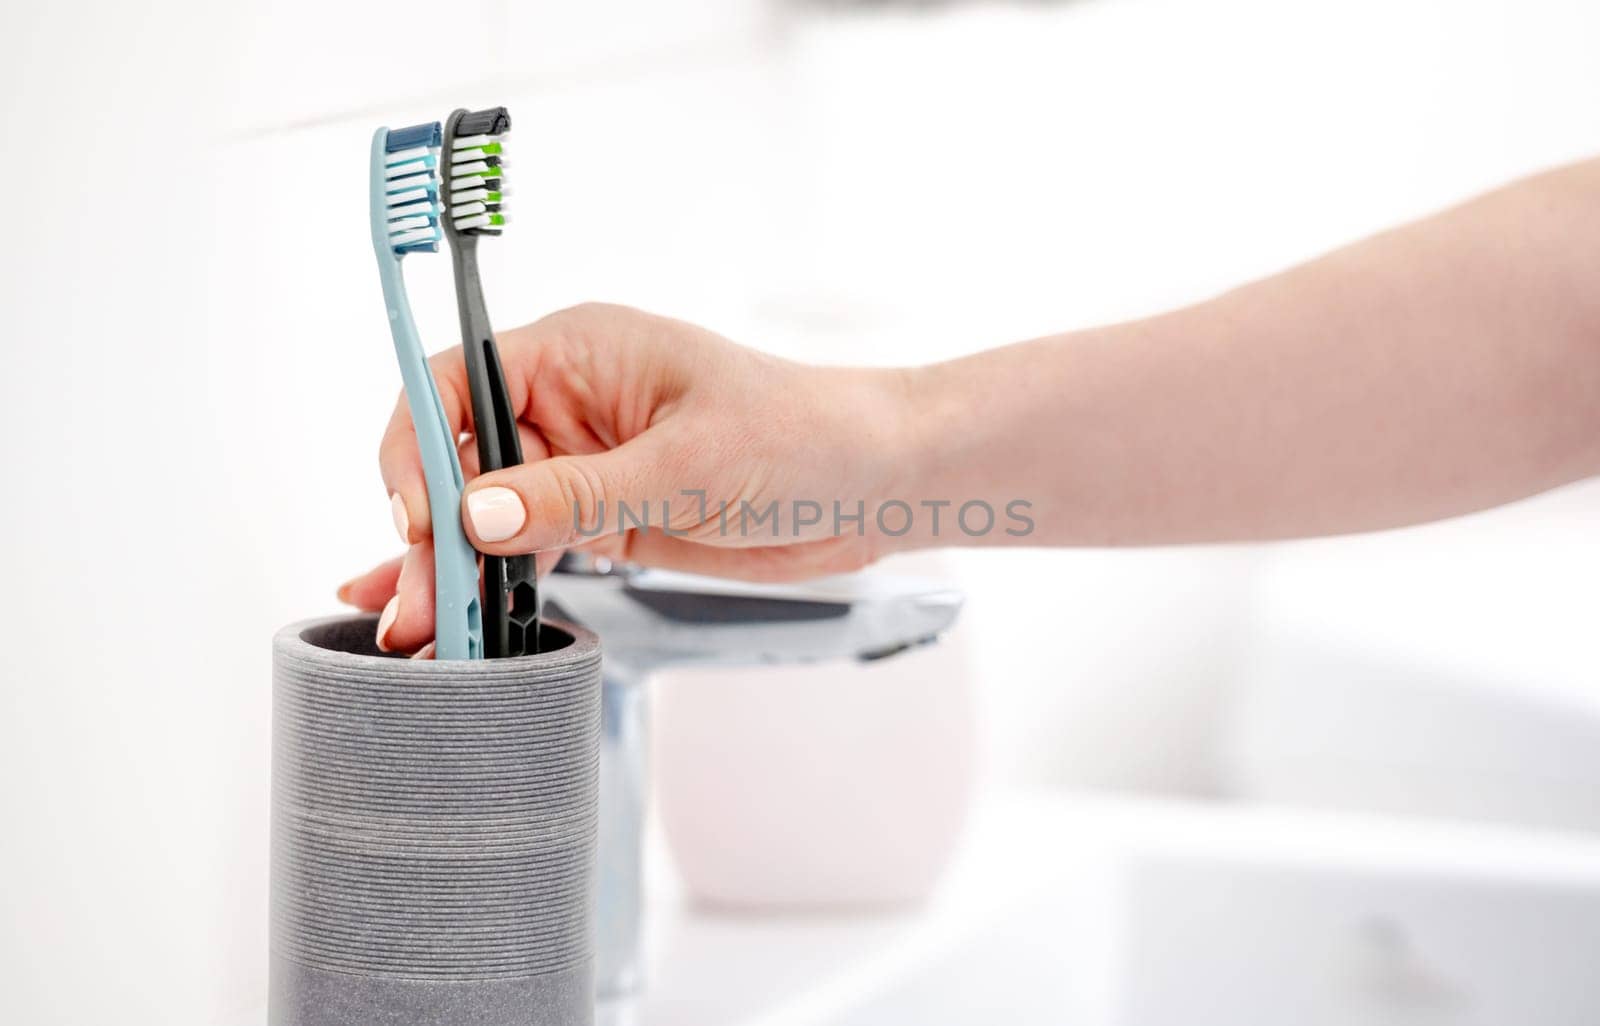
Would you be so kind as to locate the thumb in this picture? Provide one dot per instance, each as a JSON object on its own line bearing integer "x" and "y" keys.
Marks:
{"x": 558, "y": 502}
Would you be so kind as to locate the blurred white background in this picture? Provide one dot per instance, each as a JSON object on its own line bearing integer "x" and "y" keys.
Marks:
{"x": 197, "y": 377}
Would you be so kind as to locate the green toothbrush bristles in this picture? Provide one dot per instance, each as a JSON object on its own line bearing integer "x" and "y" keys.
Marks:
{"x": 477, "y": 171}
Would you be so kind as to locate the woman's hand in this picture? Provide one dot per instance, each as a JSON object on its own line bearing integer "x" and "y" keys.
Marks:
{"x": 1433, "y": 370}
{"x": 624, "y": 417}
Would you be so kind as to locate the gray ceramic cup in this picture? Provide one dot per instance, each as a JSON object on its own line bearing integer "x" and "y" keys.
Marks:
{"x": 433, "y": 832}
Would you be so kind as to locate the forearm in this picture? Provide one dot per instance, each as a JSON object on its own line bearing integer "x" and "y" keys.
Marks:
{"x": 1444, "y": 367}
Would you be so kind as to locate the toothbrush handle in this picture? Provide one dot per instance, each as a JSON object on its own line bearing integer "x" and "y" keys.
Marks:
{"x": 510, "y": 583}
{"x": 458, "y": 627}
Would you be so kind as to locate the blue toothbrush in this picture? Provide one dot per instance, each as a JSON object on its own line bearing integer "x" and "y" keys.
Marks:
{"x": 405, "y": 219}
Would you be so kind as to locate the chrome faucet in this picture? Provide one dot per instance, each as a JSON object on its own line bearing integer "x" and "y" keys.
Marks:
{"x": 649, "y": 620}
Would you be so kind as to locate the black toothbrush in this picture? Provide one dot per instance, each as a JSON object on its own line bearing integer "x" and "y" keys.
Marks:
{"x": 474, "y": 190}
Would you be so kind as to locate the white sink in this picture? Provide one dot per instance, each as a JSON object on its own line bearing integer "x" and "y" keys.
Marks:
{"x": 1110, "y": 912}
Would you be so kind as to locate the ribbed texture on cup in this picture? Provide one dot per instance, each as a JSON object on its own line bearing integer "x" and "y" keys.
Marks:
{"x": 433, "y": 820}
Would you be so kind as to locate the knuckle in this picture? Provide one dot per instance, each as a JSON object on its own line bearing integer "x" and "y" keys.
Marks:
{"x": 578, "y": 490}
{"x": 389, "y": 448}
{"x": 570, "y": 320}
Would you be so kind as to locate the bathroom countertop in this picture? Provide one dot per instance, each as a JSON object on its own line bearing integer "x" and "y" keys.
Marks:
{"x": 1063, "y": 909}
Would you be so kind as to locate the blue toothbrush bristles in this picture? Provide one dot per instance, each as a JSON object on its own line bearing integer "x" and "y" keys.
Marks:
{"x": 411, "y": 198}
{"x": 401, "y": 156}
{"x": 413, "y": 182}
{"x": 410, "y": 167}
{"x": 408, "y": 195}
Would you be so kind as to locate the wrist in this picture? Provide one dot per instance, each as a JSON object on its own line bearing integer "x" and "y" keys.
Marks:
{"x": 908, "y": 402}
{"x": 887, "y": 444}
{"x": 947, "y": 468}
{"x": 915, "y": 448}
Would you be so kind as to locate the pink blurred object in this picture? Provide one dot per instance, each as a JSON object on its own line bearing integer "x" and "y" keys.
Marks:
{"x": 827, "y": 785}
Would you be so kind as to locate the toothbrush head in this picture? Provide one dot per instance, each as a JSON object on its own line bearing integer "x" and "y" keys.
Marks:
{"x": 476, "y": 195}
{"x": 411, "y": 206}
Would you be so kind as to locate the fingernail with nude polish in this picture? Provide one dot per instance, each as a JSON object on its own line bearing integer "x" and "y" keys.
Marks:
{"x": 402, "y": 519}
{"x": 496, "y": 513}
{"x": 386, "y": 622}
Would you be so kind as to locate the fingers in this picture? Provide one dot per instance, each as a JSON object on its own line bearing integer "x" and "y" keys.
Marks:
{"x": 400, "y": 459}
{"x": 402, "y": 589}
{"x": 767, "y": 563}
{"x": 398, "y": 456}
{"x": 544, "y": 562}
{"x": 406, "y": 623}
{"x": 580, "y": 401}
{"x": 372, "y": 590}
{"x": 533, "y": 448}
{"x": 559, "y": 502}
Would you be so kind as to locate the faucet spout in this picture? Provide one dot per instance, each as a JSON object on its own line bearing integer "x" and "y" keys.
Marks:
{"x": 649, "y": 620}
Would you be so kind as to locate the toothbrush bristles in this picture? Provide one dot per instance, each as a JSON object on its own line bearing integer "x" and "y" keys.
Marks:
{"x": 477, "y": 169}
{"x": 411, "y": 195}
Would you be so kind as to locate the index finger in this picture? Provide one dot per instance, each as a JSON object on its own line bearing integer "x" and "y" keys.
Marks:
{"x": 399, "y": 458}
